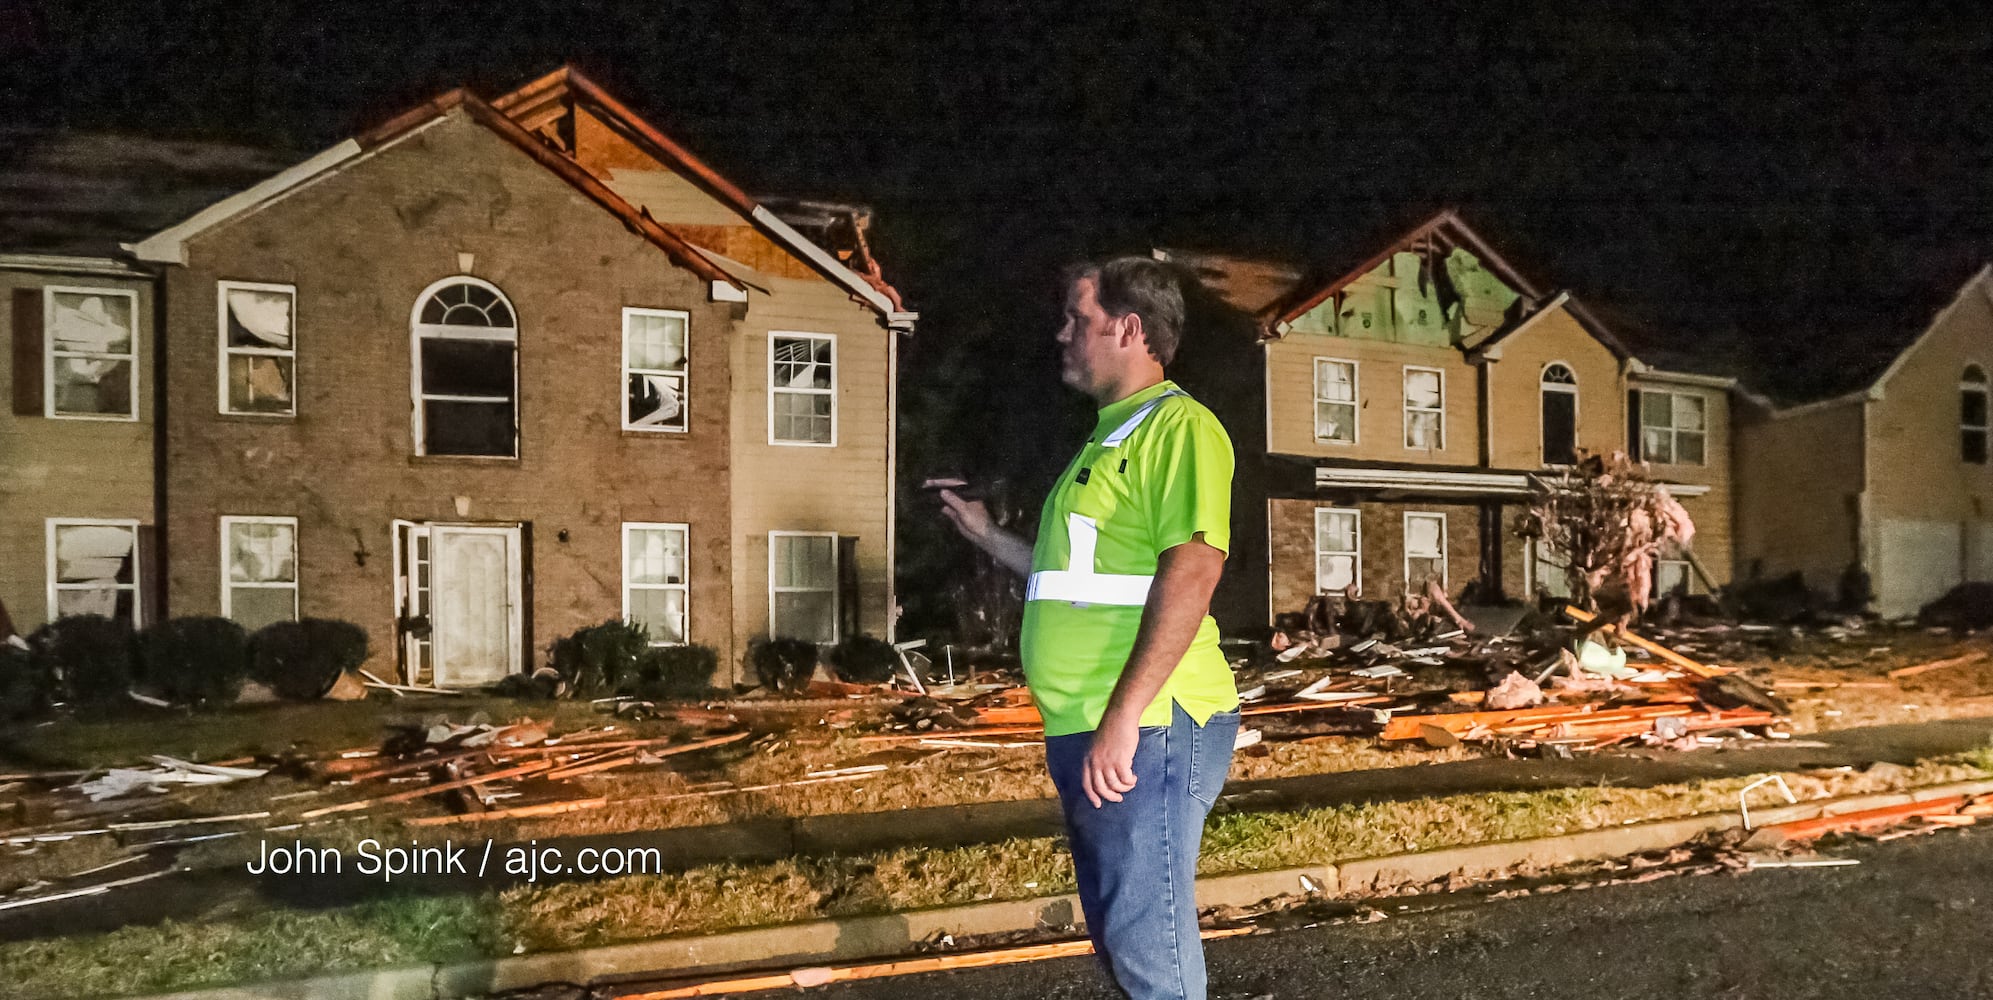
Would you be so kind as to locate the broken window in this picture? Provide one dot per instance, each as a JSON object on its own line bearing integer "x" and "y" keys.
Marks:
{"x": 1972, "y": 416}
{"x": 92, "y": 339}
{"x": 93, "y": 569}
{"x": 802, "y": 385}
{"x": 655, "y": 587}
{"x": 259, "y": 354}
{"x": 1338, "y": 550}
{"x": 467, "y": 364}
{"x": 1560, "y": 415}
{"x": 1425, "y": 551}
{"x": 654, "y": 369}
{"x": 1335, "y": 401}
{"x": 1425, "y": 409}
{"x": 1547, "y": 568}
{"x": 802, "y": 589}
{"x": 261, "y": 554}
{"x": 1673, "y": 427}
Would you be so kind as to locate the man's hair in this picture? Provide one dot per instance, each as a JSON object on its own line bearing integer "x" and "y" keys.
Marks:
{"x": 1144, "y": 287}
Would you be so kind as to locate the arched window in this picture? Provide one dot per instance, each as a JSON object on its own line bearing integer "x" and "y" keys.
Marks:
{"x": 466, "y": 356}
{"x": 1560, "y": 414}
{"x": 1972, "y": 415}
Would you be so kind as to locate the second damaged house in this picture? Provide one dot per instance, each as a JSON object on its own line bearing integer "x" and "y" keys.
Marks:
{"x": 1388, "y": 421}
{"x": 498, "y": 370}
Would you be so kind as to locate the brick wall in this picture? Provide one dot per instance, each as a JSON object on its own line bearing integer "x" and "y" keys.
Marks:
{"x": 1382, "y": 547}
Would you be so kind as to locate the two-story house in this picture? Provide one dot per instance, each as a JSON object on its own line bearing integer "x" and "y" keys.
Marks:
{"x": 497, "y": 370}
{"x": 1387, "y": 421}
{"x": 78, "y": 511}
{"x": 1889, "y": 479}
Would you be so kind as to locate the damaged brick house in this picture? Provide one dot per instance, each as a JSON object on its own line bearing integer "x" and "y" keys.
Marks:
{"x": 497, "y": 370}
{"x": 78, "y": 508}
{"x": 1386, "y": 422}
{"x": 1882, "y": 480}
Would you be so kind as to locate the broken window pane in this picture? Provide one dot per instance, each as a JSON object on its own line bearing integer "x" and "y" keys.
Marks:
{"x": 1335, "y": 422}
{"x": 262, "y": 552}
{"x": 656, "y": 556}
{"x": 466, "y": 367}
{"x": 800, "y": 382}
{"x": 259, "y": 384}
{"x": 259, "y": 318}
{"x": 1657, "y": 444}
{"x": 1336, "y": 543}
{"x": 1688, "y": 413}
{"x": 1335, "y": 401}
{"x": 656, "y": 401}
{"x": 82, "y": 323}
{"x": 1422, "y": 389}
{"x": 802, "y": 363}
{"x": 1424, "y": 535}
{"x": 93, "y": 386}
{"x": 656, "y": 342}
{"x": 461, "y": 428}
{"x": 1333, "y": 572}
{"x": 96, "y": 570}
{"x": 1422, "y": 431}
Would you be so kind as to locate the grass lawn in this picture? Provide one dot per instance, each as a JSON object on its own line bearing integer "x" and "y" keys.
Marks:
{"x": 288, "y": 943}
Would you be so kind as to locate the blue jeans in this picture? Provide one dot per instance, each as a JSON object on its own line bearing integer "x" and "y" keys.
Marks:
{"x": 1137, "y": 859}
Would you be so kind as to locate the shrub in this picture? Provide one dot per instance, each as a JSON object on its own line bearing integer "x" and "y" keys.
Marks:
{"x": 862, "y": 659}
{"x": 785, "y": 664}
{"x": 301, "y": 660}
{"x": 91, "y": 659}
{"x": 601, "y": 658}
{"x": 676, "y": 672}
{"x": 199, "y": 661}
{"x": 26, "y": 686}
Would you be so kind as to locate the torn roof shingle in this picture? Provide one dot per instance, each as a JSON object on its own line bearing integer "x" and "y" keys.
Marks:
{"x": 84, "y": 193}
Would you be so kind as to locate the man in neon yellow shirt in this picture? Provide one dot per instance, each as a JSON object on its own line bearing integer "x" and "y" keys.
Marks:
{"x": 1122, "y": 658}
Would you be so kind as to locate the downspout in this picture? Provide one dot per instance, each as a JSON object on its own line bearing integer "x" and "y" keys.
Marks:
{"x": 161, "y": 546}
{"x": 892, "y": 481}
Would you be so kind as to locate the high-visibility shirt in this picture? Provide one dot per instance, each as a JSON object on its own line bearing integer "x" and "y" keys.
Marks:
{"x": 1156, "y": 472}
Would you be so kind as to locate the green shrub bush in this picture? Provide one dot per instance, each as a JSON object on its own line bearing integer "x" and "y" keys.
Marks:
{"x": 26, "y": 686}
{"x": 676, "y": 672}
{"x": 301, "y": 660}
{"x": 91, "y": 659}
{"x": 200, "y": 662}
{"x": 862, "y": 659}
{"x": 784, "y": 665}
{"x": 601, "y": 659}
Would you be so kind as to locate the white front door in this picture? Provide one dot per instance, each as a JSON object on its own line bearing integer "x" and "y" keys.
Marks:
{"x": 475, "y": 603}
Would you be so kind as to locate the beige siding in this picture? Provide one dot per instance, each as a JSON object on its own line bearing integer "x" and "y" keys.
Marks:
{"x": 845, "y": 488}
{"x": 1714, "y": 512}
{"x": 1919, "y": 485}
{"x": 1517, "y": 376}
{"x": 1380, "y": 394}
{"x": 671, "y": 199}
{"x": 66, "y": 468}
{"x": 1799, "y": 484}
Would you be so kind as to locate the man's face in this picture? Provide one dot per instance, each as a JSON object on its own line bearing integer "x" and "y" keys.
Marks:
{"x": 1089, "y": 339}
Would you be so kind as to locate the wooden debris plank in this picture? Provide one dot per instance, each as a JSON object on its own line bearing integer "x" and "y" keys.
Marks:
{"x": 595, "y": 765}
{"x": 1924, "y": 668}
{"x": 937, "y": 734}
{"x": 818, "y": 976}
{"x": 1866, "y": 819}
{"x": 1310, "y": 706}
{"x": 426, "y": 790}
{"x": 1700, "y": 670}
{"x": 516, "y": 812}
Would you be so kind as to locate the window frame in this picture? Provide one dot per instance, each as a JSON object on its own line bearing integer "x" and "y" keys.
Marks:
{"x": 684, "y": 587}
{"x": 684, "y": 372}
{"x": 1355, "y": 554}
{"x": 1577, "y": 408}
{"x": 1406, "y": 408}
{"x": 836, "y": 630}
{"x": 1354, "y": 402}
{"x": 418, "y": 330}
{"x": 1985, "y": 430}
{"x": 1674, "y": 432}
{"x": 223, "y": 352}
{"x": 768, "y": 374}
{"x": 136, "y": 586}
{"x": 228, "y": 586}
{"x": 1405, "y": 537}
{"x": 49, "y": 292}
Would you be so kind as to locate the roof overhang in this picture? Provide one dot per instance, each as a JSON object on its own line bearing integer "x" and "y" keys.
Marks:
{"x": 169, "y": 246}
{"x": 1645, "y": 373}
{"x": 109, "y": 267}
{"x": 1487, "y": 484}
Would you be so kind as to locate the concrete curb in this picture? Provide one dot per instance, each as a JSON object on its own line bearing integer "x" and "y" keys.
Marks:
{"x": 849, "y": 939}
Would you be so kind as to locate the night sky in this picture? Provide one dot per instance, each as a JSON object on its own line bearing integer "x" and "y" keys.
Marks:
{"x": 1786, "y": 190}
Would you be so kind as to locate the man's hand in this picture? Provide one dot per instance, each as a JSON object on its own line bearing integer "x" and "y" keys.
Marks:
{"x": 1110, "y": 763}
{"x": 973, "y": 520}
{"x": 970, "y": 517}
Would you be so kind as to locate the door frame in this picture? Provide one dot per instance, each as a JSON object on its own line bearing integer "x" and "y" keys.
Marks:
{"x": 411, "y": 645}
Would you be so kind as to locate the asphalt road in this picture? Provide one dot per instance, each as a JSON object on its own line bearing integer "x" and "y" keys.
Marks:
{"x": 1912, "y": 920}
